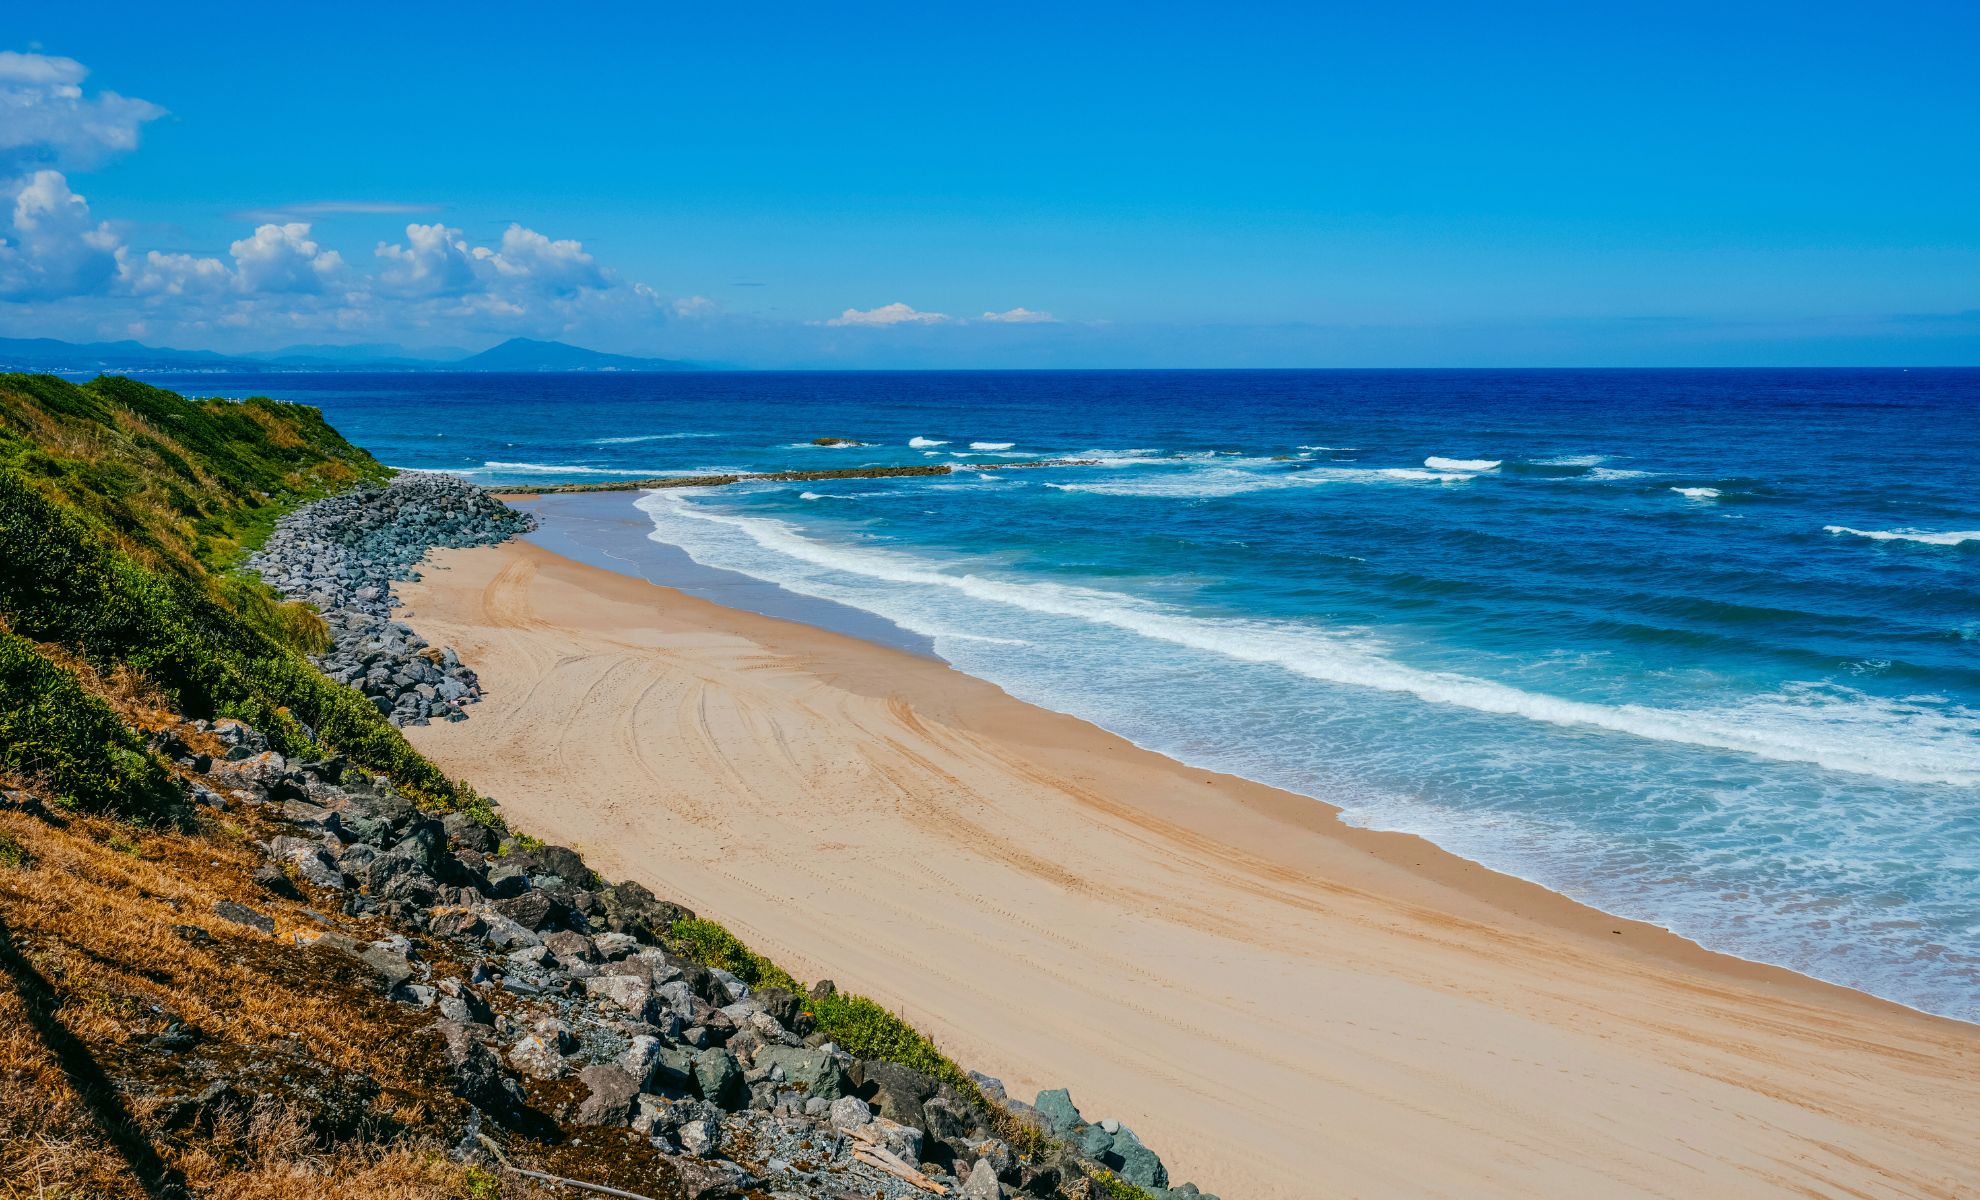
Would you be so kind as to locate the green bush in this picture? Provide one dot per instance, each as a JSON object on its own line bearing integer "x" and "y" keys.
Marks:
{"x": 107, "y": 532}
{"x": 713, "y": 946}
{"x": 53, "y": 730}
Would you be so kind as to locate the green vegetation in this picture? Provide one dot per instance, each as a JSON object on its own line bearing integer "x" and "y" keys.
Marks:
{"x": 53, "y": 730}
{"x": 120, "y": 507}
{"x": 709, "y": 944}
{"x": 861, "y": 1026}
{"x": 1112, "y": 1186}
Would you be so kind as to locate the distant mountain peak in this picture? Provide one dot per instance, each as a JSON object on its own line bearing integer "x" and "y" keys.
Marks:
{"x": 533, "y": 354}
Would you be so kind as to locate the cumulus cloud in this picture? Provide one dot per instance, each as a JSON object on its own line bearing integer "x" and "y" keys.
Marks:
{"x": 283, "y": 259}
{"x": 435, "y": 261}
{"x": 46, "y": 120}
{"x": 560, "y": 267}
{"x": 56, "y": 248}
{"x": 888, "y": 314}
{"x": 158, "y": 274}
{"x": 1021, "y": 316}
{"x": 694, "y": 306}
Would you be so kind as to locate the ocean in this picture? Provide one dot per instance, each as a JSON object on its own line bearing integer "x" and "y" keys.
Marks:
{"x": 1700, "y": 648}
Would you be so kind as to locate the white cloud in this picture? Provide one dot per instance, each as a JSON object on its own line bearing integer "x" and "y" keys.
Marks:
{"x": 283, "y": 259}
{"x": 888, "y": 314}
{"x": 56, "y": 248}
{"x": 691, "y": 307}
{"x": 436, "y": 260}
{"x": 559, "y": 267}
{"x": 159, "y": 274}
{"x": 1021, "y": 316}
{"x": 46, "y": 120}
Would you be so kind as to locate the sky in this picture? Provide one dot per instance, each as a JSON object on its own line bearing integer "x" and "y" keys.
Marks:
{"x": 1010, "y": 185}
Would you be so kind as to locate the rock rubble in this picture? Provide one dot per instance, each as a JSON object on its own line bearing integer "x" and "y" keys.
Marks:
{"x": 343, "y": 554}
{"x": 555, "y": 995}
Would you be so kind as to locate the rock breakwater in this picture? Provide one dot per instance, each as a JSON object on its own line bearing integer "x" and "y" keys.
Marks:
{"x": 343, "y": 554}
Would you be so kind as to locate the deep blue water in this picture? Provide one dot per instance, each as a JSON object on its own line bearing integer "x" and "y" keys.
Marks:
{"x": 1699, "y": 647}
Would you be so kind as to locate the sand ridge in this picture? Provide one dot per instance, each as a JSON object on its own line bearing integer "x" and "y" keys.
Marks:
{"x": 1282, "y": 1005}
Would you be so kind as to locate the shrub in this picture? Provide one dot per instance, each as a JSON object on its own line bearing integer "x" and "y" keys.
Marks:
{"x": 115, "y": 498}
{"x": 52, "y": 730}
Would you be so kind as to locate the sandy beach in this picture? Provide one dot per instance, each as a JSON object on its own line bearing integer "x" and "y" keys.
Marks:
{"x": 1267, "y": 995}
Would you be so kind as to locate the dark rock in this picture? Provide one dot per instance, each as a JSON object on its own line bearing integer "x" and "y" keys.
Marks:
{"x": 533, "y": 910}
{"x": 633, "y": 910}
{"x": 423, "y": 843}
{"x": 1056, "y": 1108}
{"x": 700, "y": 1179}
{"x": 787, "y": 1009}
{"x": 227, "y": 910}
{"x": 561, "y": 861}
{"x": 1136, "y": 1163}
{"x": 389, "y": 963}
{"x": 455, "y": 923}
{"x": 611, "y": 1095}
{"x": 271, "y": 879}
{"x": 823, "y": 988}
{"x": 571, "y": 947}
{"x": 948, "y": 1119}
{"x": 814, "y": 1072}
{"x": 505, "y": 879}
{"x": 898, "y": 1091}
{"x": 470, "y": 834}
{"x": 719, "y": 1078}
{"x": 475, "y": 1074}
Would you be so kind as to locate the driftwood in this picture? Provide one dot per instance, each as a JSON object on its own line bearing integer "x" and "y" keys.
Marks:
{"x": 873, "y": 1154}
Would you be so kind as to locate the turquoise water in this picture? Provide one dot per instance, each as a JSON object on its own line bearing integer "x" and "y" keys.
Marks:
{"x": 1702, "y": 648}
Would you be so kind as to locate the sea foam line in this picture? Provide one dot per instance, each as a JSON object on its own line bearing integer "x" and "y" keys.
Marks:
{"x": 1774, "y": 728}
{"x": 1922, "y": 536}
{"x": 648, "y": 437}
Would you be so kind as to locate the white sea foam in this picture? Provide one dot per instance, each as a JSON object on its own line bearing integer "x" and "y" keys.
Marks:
{"x": 1835, "y": 729}
{"x": 991, "y": 445}
{"x": 1462, "y": 464}
{"x": 1573, "y": 460}
{"x": 649, "y": 437}
{"x": 1448, "y": 475}
{"x": 1923, "y": 536}
{"x": 1697, "y": 493}
{"x": 922, "y": 443}
{"x": 1234, "y": 478}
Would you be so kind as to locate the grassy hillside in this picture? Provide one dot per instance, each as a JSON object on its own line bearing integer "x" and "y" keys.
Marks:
{"x": 121, "y": 508}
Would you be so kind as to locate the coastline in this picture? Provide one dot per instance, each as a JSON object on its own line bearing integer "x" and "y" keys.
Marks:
{"x": 1267, "y": 993}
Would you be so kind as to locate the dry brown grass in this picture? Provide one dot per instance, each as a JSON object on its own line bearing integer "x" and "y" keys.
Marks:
{"x": 95, "y": 971}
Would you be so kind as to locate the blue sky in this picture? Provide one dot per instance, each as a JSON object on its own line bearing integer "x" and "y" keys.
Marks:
{"x": 863, "y": 185}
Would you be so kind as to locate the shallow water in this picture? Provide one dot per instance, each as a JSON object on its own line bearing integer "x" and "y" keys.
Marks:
{"x": 1699, "y": 647}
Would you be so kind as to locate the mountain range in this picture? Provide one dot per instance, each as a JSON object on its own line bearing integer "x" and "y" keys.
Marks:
{"x": 516, "y": 355}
